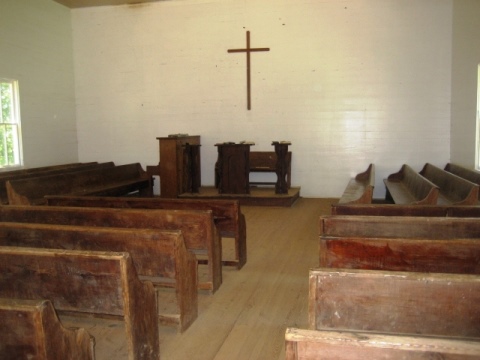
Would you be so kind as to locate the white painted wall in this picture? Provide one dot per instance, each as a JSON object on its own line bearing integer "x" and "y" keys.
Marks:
{"x": 466, "y": 58}
{"x": 36, "y": 49}
{"x": 348, "y": 82}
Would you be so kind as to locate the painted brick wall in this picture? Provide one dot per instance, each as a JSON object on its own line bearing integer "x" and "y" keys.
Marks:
{"x": 348, "y": 82}
{"x": 36, "y": 49}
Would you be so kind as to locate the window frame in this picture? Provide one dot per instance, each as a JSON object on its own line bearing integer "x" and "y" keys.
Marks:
{"x": 15, "y": 120}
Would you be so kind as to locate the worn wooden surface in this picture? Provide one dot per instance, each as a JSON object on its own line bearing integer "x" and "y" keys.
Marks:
{"x": 409, "y": 187}
{"x": 86, "y": 282}
{"x": 461, "y": 256}
{"x": 453, "y": 189}
{"x": 399, "y": 226}
{"x": 247, "y": 317}
{"x": 30, "y": 329}
{"x": 304, "y": 344}
{"x": 198, "y": 229}
{"x": 116, "y": 180}
{"x": 227, "y": 214}
{"x": 266, "y": 161}
{"x": 466, "y": 173}
{"x": 395, "y": 302}
{"x": 360, "y": 189}
{"x": 158, "y": 255}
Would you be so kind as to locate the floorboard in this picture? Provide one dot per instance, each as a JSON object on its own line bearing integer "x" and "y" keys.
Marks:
{"x": 247, "y": 317}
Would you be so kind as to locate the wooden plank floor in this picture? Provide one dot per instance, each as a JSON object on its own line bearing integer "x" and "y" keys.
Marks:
{"x": 247, "y": 317}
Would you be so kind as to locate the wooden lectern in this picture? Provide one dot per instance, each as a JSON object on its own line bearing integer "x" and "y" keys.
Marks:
{"x": 233, "y": 168}
{"x": 179, "y": 166}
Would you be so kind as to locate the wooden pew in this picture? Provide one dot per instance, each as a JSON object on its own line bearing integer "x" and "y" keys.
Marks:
{"x": 119, "y": 180}
{"x": 86, "y": 283}
{"x": 302, "y": 344}
{"x": 391, "y": 209}
{"x": 159, "y": 256}
{"x": 30, "y": 329}
{"x": 395, "y": 302}
{"x": 409, "y": 187}
{"x": 43, "y": 171}
{"x": 360, "y": 189}
{"x": 460, "y": 256}
{"x": 227, "y": 214}
{"x": 266, "y": 162}
{"x": 198, "y": 229}
{"x": 452, "y": 188}
{"x": 440, "y": 228}
{"x": 463, "y": 172}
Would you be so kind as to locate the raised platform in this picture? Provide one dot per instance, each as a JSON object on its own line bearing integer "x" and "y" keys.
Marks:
{"x": 259, "y": 196}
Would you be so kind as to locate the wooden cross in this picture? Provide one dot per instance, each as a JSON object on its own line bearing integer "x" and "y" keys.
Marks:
{"x": 248, "y": 50}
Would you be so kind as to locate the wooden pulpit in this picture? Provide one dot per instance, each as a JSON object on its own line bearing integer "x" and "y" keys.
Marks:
{"x": 233, "y": 168}
{"x": 179, "y": 166}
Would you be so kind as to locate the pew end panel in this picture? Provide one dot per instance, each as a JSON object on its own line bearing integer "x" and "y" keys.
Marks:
{"x": 360, "y": 189}
{"x": 31, "y": 329}
{"x": 302, "y": 344}
{"x": 393, "y": 302}
{"x": 86, "y": 283}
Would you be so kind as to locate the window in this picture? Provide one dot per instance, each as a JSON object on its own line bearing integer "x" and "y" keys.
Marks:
{"x": 10, "y": 135}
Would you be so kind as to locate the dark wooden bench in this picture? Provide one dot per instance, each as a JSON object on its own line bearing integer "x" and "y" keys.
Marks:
{"x": 227, "y": 214}
{"x": 400, "y": 227}
{"x": 35, "y": 172}
{"x": 118, "y": 180}
{"x": 159, "y": 256}
{"x": 409, "y": 187}
{"x": 266, "y": 162}
{"x": 429, "y": 304}
{"x": 86, "y": 283}
{"x": 360, "y": 189}
{"x": 30, "y": 329}
{"x": 40, "y": 169}
{"x": 302, "y": 344}
{"x": 466, "y": 173}
{"x": 198, "y": 229}
{"x": 453, "y": 189}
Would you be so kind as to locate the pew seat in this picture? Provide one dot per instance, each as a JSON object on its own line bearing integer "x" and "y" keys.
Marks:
{"x": 30, "y": 329}
{"x": 409, "y": 187}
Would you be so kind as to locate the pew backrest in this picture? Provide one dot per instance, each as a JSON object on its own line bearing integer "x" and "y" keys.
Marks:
{"x": 460, "y": 256}
{"x": 31, "y": 329}
{"x": 409, "y": 187}
{"x": 395, "y": 302}
{"x": 198, "y": 229}
{"x": 86, "y": 282}
{"x": 440, "y": 228}
{"x": 453, "y": 189}
{"x": 227, "y": 214}
{"x": 159, "y": 256}
{"x": 389, "y": 210}
{"x": 466, "y": 173}
{"x": 302, "y": 344}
